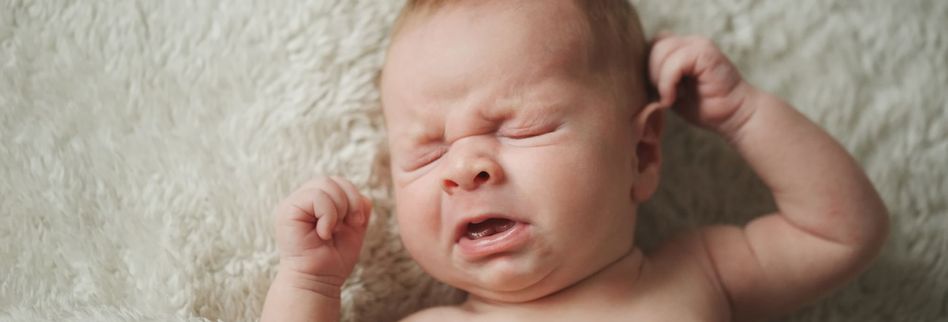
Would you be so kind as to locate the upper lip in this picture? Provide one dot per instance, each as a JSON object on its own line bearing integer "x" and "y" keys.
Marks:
{"x": 461, "y": 227}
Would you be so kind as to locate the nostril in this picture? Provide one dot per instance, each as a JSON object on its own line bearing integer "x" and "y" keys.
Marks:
{"x": 450, "y": 184}
{"x": 482, "y": 177}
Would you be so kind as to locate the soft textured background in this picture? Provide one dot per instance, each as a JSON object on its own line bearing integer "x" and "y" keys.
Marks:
{"x": 143, "y": 144}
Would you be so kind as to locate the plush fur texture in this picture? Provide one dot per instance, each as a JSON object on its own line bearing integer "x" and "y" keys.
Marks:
{"x": 143, "y": 145}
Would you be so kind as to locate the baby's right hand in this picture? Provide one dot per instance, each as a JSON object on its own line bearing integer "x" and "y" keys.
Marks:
{"x": 320, "y": 229}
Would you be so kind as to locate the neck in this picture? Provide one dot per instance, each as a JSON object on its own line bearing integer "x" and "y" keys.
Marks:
{"x": 611, "y": 282}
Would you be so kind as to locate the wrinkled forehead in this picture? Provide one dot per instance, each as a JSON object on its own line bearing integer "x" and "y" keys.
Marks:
{"x": 476, "y": 42}
{"x": 552, "y": 22}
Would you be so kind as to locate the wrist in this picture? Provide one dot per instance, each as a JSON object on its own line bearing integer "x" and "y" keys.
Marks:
{"x": 302, "y": 297}
{"x": 748, "y": 99}
{"x": 326, "y": 286}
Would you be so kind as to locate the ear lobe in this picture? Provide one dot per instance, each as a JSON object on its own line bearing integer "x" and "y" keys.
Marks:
{"x": 649, "y": 124}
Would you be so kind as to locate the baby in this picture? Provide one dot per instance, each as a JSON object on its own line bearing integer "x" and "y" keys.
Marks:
{"x": 525, "y": 133}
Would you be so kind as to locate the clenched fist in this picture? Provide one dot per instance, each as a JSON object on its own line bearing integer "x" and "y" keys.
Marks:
{"x": 695, "y": 78}
{"x": 320, "y": 228}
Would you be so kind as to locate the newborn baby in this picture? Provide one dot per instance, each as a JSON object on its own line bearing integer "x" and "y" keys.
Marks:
{"x": 525, "y": 133}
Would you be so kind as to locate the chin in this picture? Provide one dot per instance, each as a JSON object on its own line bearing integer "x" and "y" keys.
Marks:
{"x": 508, "y": 280}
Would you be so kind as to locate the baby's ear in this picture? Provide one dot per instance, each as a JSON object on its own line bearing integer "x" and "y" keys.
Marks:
{"x": 649, "y": 124}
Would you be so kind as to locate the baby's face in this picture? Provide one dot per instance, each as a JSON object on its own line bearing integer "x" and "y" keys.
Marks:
{"x": 493, "y": 116}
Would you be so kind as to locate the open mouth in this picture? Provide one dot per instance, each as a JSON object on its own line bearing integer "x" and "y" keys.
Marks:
{"x": 483, "y": 237}
{"x": 487, "y": 227}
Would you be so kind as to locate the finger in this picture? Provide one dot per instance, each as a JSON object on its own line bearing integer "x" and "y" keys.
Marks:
{"x": 325, "y": 183}
{"x": 675, "y": 67}
{"x": 326, "y": 214}
{"x": 706, "y": 54}
{"x": 367, "y": 206}
{"x": 659, "y": 55}
{"x": 356, "y": 214}
{"x": 298, "y": 206}
{"x": 338, "y": 196}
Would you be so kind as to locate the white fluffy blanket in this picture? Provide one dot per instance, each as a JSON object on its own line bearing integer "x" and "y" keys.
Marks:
{"x": 144, "y": 143}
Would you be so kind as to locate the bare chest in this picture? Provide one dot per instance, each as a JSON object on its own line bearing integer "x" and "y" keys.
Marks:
{"x": 679, "y": 306}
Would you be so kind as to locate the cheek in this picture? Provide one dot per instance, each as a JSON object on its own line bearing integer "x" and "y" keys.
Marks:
{"x": 574, "y": 181}
{"x": 418, "y": 213}
{"x": 595, "y": 163}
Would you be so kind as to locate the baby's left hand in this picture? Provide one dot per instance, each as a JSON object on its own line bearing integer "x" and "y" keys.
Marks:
{"x": 704, "y": 87}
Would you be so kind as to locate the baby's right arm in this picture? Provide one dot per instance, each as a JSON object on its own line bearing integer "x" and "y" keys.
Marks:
{"x": 319, "y": 232}
{"x": 830, "y": 222}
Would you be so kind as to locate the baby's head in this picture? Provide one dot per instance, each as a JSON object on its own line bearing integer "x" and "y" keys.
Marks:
{"x": 522, "y": 140}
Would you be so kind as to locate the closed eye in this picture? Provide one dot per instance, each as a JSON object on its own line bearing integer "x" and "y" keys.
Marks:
{"x": 526, "y": 133}
{"x": 429, "y": 157}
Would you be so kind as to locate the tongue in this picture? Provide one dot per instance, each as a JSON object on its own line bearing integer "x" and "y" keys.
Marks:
{"x": 488, "y": 227}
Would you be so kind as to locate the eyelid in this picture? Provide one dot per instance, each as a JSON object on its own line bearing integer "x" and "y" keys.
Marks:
{"x": 429, "y": 157}
{"x": 530, "y": 131}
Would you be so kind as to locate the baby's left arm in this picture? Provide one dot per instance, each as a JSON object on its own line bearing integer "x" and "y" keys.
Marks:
{"x": 830, "y": 222}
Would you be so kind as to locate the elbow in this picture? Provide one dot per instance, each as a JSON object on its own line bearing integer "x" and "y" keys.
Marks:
{"x": 872, "y": 236}
{"x": 878, "y": 231}
{"x": 876, "y": 227}
{"x": 862, "y": 233}
{"x": 863, "y": 245}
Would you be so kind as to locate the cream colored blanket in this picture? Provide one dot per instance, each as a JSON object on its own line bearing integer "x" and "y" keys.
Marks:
{"x": 144, "y": 143}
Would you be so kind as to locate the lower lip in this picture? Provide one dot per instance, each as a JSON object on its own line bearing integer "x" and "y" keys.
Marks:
{"x": 506, "y": 241}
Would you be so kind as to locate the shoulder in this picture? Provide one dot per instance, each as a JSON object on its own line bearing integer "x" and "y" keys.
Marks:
{"x": 686, "y": 250}
{"x": 437, "y": 314}
{"x": 683, "y": 266}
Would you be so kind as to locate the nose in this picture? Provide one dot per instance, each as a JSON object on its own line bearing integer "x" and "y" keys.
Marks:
{"x": 467, "y": 171}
